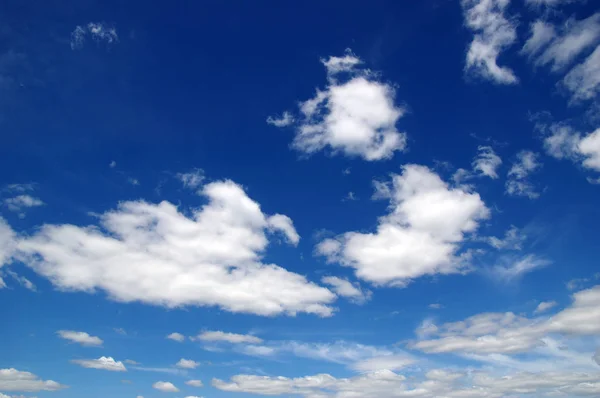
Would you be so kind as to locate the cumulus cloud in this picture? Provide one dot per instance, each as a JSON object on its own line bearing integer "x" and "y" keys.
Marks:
{"x": 98, "y": 31}
{"x": 22, "y": 202}
{"x": 284, "y": 120}
{"x": 487, "y": 162}
{"x": 80, "y": 338}
{"x": 234, "y": 338}
{"x": 194, "y": 383}
{"x": 187, "y": 364}
{"x": 493, "y": 33}
{"x": 583, "y": 81}
{"x": 152, "y": 253}
{"x": 563, "y": 142}
{"x": 354, "y": 115}
{"x": 178, "y": 337}
{"x": 15, "y": 380}
{"x": 165, "y": 386}
{"x": 192, "y": 179}
{"x": 420, "y": 235}
{"x": 544, "y": 306}
{"x": 103, "y": 363}
{"x": 344, "y": 288}
{"x": 517, "y": 182}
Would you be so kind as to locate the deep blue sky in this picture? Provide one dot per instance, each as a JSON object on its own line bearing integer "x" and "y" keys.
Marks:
{"x": 187, "y": 86}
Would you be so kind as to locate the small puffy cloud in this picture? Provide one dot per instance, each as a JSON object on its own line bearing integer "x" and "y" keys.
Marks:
{"x": 98, "y": 31}
{"x": 15, "y": 380}
{"x": 192, "y": 179}
{"x": 284, "y": 120}
{"x": 194, "y": 383}
{"x": 563, "y": 142}
{"x": 354, "y": 115}
{"x": 178, "y": 337}
{"x": 541, "y": 34}
{"x": 386, "y": 362}
{"x": 544, "y": 306}
{"x": 21, "y": 202}
{"x": 425, "y": 215}
{"x": 187, "y": 364}
{"x": 583, "y": 81}
{"x": 234, "y": 338}
{"x": 493, "y": 33}
{"x": 435, "y": 306}
{"x": 165, "y": 386}
{"x": 344, "y": 288}
{"x": 103, "y": 363}
{"x": 154, "y": 253}
{"x": 131, "y": 362}
{"x": 487, "y": 162}
{"x": 518, "y": 183}
{"x": 513, "y": 240}
{"x": 82, "y": 338}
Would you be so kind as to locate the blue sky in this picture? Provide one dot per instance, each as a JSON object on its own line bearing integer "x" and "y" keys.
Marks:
{"x": 300, "y": 199}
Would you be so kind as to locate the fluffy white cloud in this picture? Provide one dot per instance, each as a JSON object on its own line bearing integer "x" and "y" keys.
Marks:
{"x": 420, "y": 235}
{"x": 15, "y": 380}
{"x": 192, "y": 179}
{"x": 178, "y": 337}
{"x": 493, "y": 33}
{"x": 583, "y": 81}
{"x": 165, "y": 386}
{"x": 344, "y": 288}
{"x": 80, "y": 338}
{"x": 589, "y": 148}
{"x": 194, "y": 383}
{"x": 355, "y": 116}
{"x": 103, "y": 363}
{"x": 8, "y": 242}
{"x": 487, "y": 162}
{"x": 563, "y": 142}
{"x": 20, "y": 202}
{"x": 98, "y": 31}
{"x": 234, "y": 338}
{"x": 155, "y": 254}
{"x": 187, "y": 364}
{"x": 560, "y": 49}
{"x": 284, "y": 120}
{"x": 544, "y": 306}
{"x": 517, "y": 183}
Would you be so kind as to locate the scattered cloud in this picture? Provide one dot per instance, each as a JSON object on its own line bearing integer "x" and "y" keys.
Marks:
{"x": 120, "y": 331}
{"x": 112, "y": 164}
{"x": 544, "y": 306}
{"x": 103, "y": 363}
{"x": 513, "y": 240}
{"x": 234, "y": 338}
{"x": 165, "y": 386}
{"x": 192, "y": 179}
{"x": 583, "y": 81}
{"x": 425, "y": 216}
{"x": 133, "y": 181}
{"x": 187, "y": 364}
{"x": 15, "y": 380}
{"x": 512, "y": 268}
{"x": 344, "y": 288}
{"x": 131, "y": 362}
{"x": 194, "y": 383}
{"x": 493, "y": 33}
{"x": 172, "y": 371}
{"x": 21, "y": 280}
{"x": 81, "y": 338}
{"x": 563, "y": 142}
{"x": 218, "y": 256}
{"x": 350, "y": 196}
{"x": 435, "y": 306}
{"x": 21, "y": 202}
{"x": 284, "y": 120}
{"x": 517, "y": 182}
{"x": 98, "y": 31}
{"x": 354, "y": 115}
{"x": 178, "y": 337}
{"x": 487, "y": 162}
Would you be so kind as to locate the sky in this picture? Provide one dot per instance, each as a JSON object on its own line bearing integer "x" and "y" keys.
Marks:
{"x": 304, "y": 199}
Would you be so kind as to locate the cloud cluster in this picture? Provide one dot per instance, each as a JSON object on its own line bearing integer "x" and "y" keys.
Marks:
{"x": 165, "y": 386}
{"x": 153, "y": 253}
{"x": 420, "y": 235}
{"x": 354, "y": 115}
{"x": 98, "y": 31}
{"x": 517, "y": 182}
{"x": 563, "y": 142}
{"x": 15, "y": 380}
{"x": 102, "y": 363}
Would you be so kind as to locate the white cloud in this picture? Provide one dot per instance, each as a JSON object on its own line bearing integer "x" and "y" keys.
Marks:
{"x": 284, "y": 120}
{"x": 103, "y": 363}
{"x": 589, "y": 148}
{"x": 187, "y": 364}
{"x": 344, "y": 288}
{"x": 542, "y": 33}
{"x": 21, "y": 280}
{"x": 165, "y": 386}
{"x": 98, "y": 31}
{"x": 131, "y": 362}
{"x": 194, "y": 383}
{"x": 155, "y": 254}
{"x": 583, "y": 81}
{"x": 355, "y": 116}
{"x": 8, "y": 242}
{"x": 233, "y": 338}
{"x": 512, "y": 268}
{"x": 435, "y": 306}
{"x": 386, "y": 362}
{"x": 120, "y": 331}
{"x": 563, "y": 142}
{"x": 487, "y": 162}
{"x": 544, "y": 306}
{"x": 21, "y": 202}
{"x": 258, "y": 350}
{"x": 176, "y": 337}
{"x": 513, "y": 240}
{"x": 80, "y": 338}
{"x": 420, "y": 235}
{"x": 171, "y": 371}
{"x": 493, "y": 33}
{"x": 192, "y": 179}
{"x": 15, "y": 380}
{"x": 517, "y": 183}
